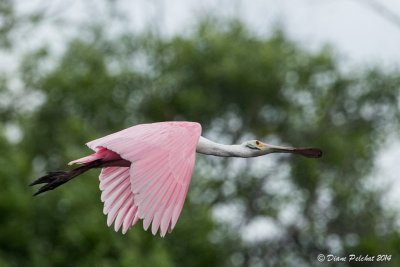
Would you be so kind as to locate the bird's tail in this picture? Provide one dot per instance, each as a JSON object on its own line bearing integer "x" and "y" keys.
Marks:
{"x": 57, "y": 178}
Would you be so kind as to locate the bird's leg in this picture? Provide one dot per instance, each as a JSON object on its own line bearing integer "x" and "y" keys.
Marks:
{"x": 57, "y": 178}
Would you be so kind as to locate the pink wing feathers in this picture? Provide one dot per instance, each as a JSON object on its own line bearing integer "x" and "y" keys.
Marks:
{"x": 155, "y": 186}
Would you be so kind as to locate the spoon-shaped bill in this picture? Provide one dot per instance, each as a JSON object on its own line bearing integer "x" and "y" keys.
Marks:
{"x": 309, "y": 152}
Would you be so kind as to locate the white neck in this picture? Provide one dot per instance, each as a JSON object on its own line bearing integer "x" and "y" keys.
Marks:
{"x": 205, "y": 146}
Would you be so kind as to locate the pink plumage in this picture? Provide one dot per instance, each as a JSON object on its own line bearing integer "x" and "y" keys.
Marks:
{"x": 154, "y": 187}
{"x": 146, "y": 170}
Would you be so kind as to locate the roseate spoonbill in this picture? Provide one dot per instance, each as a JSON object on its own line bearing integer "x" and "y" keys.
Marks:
{"x": 146, "y": 170}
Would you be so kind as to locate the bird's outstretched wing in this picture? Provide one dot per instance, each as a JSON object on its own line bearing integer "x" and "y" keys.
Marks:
{"x": 155, "y": 186}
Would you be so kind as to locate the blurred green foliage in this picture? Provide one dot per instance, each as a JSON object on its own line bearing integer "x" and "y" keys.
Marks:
{"x": 238, "y": 86}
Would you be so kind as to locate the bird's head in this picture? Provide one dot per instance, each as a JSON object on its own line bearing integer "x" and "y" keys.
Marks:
{"x": 255, "y": 145}
{"x": 259, "y": 148}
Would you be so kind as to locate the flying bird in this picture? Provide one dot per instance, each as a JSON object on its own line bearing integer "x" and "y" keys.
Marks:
{"x": 146, "y": 170}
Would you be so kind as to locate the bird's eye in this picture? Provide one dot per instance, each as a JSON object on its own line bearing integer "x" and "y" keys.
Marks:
{"x": 257, "y": 143}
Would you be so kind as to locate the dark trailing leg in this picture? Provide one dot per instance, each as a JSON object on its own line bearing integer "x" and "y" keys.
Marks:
{"x": 57, "y": 178}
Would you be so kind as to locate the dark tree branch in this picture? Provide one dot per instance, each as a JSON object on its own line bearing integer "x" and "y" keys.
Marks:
{"x": 383, "y": 11}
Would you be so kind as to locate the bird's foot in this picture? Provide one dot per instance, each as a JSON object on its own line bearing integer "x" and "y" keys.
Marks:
{"x": 53, "y": 180}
